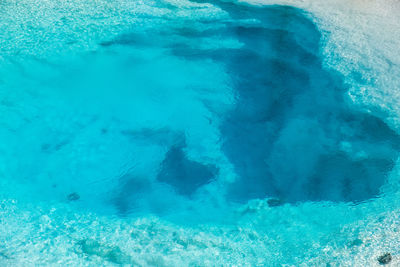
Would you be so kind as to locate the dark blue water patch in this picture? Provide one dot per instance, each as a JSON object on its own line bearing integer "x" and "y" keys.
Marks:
{"x": 184, "y": 174}
{"x": 351, "y": 179}
{"x": 292, "y": 135}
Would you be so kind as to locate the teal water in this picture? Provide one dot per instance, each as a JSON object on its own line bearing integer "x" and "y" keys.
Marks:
{"x": 185, "y": 134}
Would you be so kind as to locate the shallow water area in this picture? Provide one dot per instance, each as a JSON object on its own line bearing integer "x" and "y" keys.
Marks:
{"x": 175, "y": 133}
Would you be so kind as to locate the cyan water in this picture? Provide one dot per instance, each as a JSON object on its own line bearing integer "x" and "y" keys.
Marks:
{"x": 215, "y": 120}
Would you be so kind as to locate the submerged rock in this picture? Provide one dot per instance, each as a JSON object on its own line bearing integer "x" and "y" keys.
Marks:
{"x": 385, "y": 258}
{"x": 109, "y": 253}
{"x": 73, "y": 196}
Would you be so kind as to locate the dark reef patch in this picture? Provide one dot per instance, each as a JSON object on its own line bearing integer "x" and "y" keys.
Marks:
{"x": 184, "y": 174}
{"x": 292, "y": 133}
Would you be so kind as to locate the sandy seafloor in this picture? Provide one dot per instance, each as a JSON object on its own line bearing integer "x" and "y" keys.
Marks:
{"x": 59, "y": 134}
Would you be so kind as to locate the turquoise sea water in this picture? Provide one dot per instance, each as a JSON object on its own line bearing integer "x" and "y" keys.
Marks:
{"x": 199, "y": 133}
